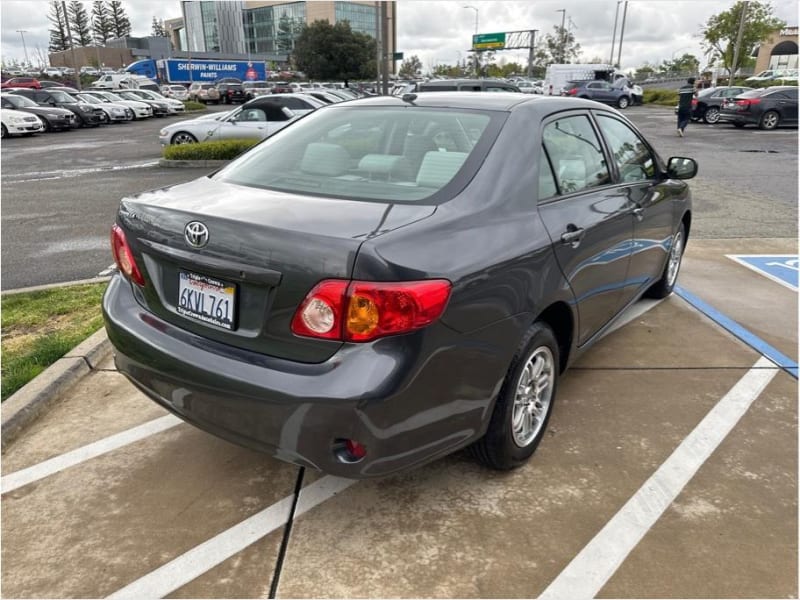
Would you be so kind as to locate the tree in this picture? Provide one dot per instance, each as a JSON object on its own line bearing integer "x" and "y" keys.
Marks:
{"x": 102, "y": 28}
{"x": 120, "y": 24}
{"x": 59, "y": 40}
{"x": 410, "y": 67}
{"x": 79, "y": 23}
{"x": 158, "y": 28}
{"x": 335, "y": 52}
{"x": 720, "y": 32}
{"x": 561, "y": 46}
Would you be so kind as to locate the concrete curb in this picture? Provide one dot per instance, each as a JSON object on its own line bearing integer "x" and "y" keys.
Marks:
{"x": 51, "y": 286}
{"x": 24, "y": 406}
{"x": 163, "y": 162}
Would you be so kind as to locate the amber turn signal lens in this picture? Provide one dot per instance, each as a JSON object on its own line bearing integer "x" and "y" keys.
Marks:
{"x": 362, "y": 315}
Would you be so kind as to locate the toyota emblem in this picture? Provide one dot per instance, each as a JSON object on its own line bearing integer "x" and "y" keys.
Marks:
{"x": 196, "y": 234}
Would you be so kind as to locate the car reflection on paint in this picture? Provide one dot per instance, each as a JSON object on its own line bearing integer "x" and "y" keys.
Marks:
{"x": 391, "y": 279}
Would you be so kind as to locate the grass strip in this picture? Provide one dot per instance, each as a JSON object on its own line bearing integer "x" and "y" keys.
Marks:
{"x": 40, "y": 327}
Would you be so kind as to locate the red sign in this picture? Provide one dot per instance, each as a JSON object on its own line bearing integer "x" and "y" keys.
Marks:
{"x": 251, "y": 74}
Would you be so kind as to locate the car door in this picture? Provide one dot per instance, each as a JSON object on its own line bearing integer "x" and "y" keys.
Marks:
{"x": 786, "y": 102}
{"x": 649, "y": 201}
{"x": 248, "y": 122}
{"x": 588, "y": 218}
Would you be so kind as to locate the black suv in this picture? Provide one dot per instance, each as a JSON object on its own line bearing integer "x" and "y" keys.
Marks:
{"x": 599, "y": 91}
{"x": 87, "y": 115}
{"x": 231, "y": 92}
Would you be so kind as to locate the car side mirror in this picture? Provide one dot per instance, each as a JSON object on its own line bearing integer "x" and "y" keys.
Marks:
{"x": 679, "y": 167}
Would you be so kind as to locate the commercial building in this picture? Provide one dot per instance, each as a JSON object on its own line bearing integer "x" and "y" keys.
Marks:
{"x": 778, "y": 51}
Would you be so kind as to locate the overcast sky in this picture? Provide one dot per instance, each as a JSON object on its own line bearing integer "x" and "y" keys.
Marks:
{"x": 440, "y": 31}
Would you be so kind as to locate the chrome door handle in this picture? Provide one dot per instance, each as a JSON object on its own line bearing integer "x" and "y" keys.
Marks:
{"x": 573, "y": 235}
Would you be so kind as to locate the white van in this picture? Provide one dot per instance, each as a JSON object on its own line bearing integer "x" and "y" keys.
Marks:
{"x": 123, "y": 81}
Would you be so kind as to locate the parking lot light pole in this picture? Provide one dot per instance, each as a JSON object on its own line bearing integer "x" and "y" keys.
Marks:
{"x": 24, "y": 47}
{"x": 475, "y": 52}
{"x": 563, "y": 12}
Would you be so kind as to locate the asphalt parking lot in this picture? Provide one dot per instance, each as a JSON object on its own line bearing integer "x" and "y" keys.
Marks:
{"x": 669, "y": 468}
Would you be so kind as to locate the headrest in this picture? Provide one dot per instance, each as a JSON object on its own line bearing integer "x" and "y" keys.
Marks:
{"x": 438, "y": 168}
{"x": 325, "y": 159}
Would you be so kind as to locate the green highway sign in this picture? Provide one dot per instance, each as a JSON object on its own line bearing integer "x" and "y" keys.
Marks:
{"x": 488, "y": 41}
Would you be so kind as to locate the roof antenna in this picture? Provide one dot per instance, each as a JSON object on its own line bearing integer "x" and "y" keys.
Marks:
{"x": 409, "y": 98}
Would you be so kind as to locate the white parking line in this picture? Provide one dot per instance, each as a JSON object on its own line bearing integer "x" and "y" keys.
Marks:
{"x": 64, "y": 461}
{"x": 201, "y": 558}
{"x": 589, "y": 571}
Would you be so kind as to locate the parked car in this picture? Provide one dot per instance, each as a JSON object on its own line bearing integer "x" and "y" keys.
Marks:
{"x": 763, "y": 75}
{"x": 176, "y": 92}
{"x": 204, "y": 92}
{"x": 258, "y": 119}
{"x": 707, "y": 105}
{"x": 46, "y": 83}
{"x": 599, "y": 91}
{"x": 21, "y": 82}
{"x": 115, "y": 113}
{"x": 141, "y": 110}
{"x": 528, "y": 87}
{"x": 254, "y": 89}
{"x": 230, "y": 93}
{"x": 466, "y": 85}
{"x": 16, "y": 122}
{"x": 86, "y": 115}
{"x": 53, "y": 119}
{"x": 767, "y": 108}
{"x": 91, "y": 71}
{"x": 53, "y": 72}
{"x": 324, "y": 297}
{"x": 324, "y": 95}
{"x": 160, "y": 108}
{"x": 174, "y": 106}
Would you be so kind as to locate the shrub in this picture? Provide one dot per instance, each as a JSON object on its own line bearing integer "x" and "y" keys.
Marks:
{"x": 192, "y": 105}
{"x": 661, "y": 97}
{"x": 222, "y": 150}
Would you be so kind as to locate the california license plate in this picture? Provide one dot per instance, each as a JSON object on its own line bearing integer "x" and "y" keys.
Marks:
{"x": 207, "y": 299}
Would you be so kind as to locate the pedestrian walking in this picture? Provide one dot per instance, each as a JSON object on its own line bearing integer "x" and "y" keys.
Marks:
{"x": 685, "y": 96}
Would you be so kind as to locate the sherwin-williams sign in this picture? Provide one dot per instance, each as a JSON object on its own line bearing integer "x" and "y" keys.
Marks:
{"x": 185, "y": 71}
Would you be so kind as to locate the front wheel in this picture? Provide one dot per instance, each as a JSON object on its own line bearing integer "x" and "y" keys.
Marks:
{"x": 623, "y": 102}
{"x": 524, "y": 404}
{"x": 664, "y": 286}
{"x": 183, "y": 137}
{"x": 769, "y": 120}
{"x": 711, "y": 115}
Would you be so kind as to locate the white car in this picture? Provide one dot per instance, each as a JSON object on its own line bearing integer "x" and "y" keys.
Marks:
{"x": 257, "y": 119}
{"x": 764, "y": 75}
{"x": 52, "y": 72}
{"x": 141, "y": 110}
{"x": 19, "y": 123}
{"x": 175, "y": 106}
{"x": 114, "y": 112}
{"x": 176, "y": 92}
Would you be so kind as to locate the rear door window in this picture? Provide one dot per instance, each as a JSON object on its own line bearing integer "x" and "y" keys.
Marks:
{"x": 577, "y": 154}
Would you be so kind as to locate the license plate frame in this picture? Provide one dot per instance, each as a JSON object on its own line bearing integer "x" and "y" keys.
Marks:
{"x": 206, "y": 299}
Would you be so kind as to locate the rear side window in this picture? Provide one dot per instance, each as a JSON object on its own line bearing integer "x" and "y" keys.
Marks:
{"x": 392, "y": 154}
{"x": 576, "y": 153}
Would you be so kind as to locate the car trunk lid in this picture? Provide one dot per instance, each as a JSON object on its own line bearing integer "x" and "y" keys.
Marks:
{"x": 265, "y": 251}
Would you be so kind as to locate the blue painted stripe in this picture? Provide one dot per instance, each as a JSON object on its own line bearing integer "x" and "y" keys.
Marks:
{"x": 752, "y": 340}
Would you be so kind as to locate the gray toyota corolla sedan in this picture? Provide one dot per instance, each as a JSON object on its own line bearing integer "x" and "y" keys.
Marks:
{"x": 388, "y": 280}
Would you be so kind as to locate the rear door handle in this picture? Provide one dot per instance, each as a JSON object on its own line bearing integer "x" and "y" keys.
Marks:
{"x": 638, "y": 212}
{"x": 573, "y": 235}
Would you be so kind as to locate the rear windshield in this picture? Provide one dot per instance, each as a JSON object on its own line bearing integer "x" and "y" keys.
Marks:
{"x": 394, "y": 154}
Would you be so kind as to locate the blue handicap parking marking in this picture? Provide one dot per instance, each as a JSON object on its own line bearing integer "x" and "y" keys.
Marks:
{"x": 780, "y": 268}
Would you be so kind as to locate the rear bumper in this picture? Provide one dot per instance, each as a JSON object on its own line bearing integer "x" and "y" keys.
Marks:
{"x": 735, "y": 117}
{"x": 407, "y": 399}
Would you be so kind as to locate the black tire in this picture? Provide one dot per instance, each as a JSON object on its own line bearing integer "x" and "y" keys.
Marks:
{"x": 623, "y": 102}
{"x": 711, "y": 116}
{"x": 664, "y": 286}
{"x": 769, "y": 120}
{"x": 500, "y": 447}
{"x": 738, "y": 125}
{"x": 3, "y": 132}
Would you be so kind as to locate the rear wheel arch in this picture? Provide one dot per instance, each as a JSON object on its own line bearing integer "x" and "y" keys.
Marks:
{"x": 558, "y": 316}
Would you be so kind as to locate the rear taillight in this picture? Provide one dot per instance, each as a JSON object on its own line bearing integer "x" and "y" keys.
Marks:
{"x": 359, "y": 311}
{"x": 747, "y": 102}
{"x": 572, "y": 92}
{"x": 694, "y": 102}
{"x": 123, "y": 256}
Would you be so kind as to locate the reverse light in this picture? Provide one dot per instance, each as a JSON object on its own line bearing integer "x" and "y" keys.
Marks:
{"x": 359, "y": 311}
{"x": 123, "y": 256}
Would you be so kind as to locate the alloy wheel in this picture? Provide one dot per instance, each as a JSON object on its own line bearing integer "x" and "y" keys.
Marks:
{"x": 712, "y": 115}
{"x": 675, "y": 255}
{"x": 769, "y": 120}
{"x": 183, "y": 137}
{"x": 533, "y": 396}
